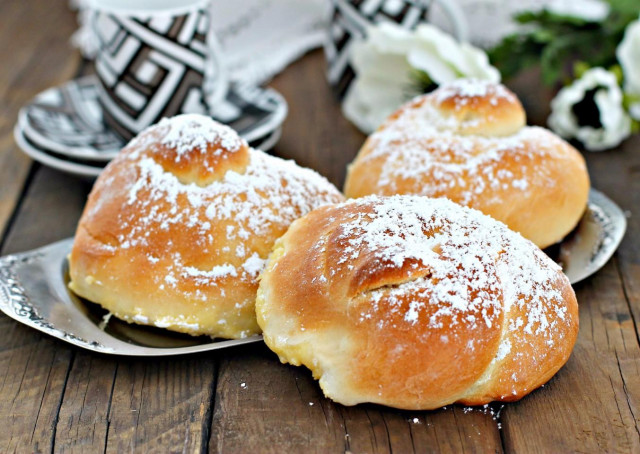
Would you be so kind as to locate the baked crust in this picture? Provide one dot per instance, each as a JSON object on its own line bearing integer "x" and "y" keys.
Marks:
{"x": 178, "y": 226}
{"x": 468, "y": 142}
{"x": 415, "y": 303}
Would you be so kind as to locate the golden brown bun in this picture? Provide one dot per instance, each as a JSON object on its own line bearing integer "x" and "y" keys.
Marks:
{"x": 415, "y": 303}
{"x": 468, "y": 142}
{"x": 178, "y": 226}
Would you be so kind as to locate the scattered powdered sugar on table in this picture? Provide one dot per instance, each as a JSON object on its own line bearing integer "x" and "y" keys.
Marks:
{"x": 487, "y": 409}
{"x": 477, "y": 267}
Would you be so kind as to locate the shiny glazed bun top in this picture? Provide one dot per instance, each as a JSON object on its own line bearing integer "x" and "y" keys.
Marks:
{"x": 415, "y": 303}
{"x": 178, "y": 226}
{"x": 468, "y": 141}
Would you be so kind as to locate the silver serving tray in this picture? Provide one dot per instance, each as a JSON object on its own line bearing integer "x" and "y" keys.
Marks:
{"x": 33, "y": 291}
{"x": 594, "y": 240}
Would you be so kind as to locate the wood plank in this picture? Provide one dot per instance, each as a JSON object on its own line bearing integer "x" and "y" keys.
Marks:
{"x": 161, "y": 405}
{"x": 34, "y": 367}
{"x": 258, "y": 395}
{"x": 35, "y": 55}
{"x": 49, "y": 212}
{"x": 617, "y": 173}
{"x": 83, "y": 419}
{"x": 32, "y": 379}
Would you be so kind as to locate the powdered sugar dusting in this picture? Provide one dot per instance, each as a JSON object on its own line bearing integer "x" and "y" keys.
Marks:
{"x": 264, "y": 199}
{"x": 163, "y": 322}
{"x": 190, "y": 132}
{"x": 216, "y": 272}
{"x": 473, "y": 88}
{"x": 468, "y": 166}
{"x": 422, "y": 149}
{"x": 477, "y": 267}
{"x": 254, "y": 265}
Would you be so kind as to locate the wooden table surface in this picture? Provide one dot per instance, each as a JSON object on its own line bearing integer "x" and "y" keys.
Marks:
{"x": 55, "y": 397}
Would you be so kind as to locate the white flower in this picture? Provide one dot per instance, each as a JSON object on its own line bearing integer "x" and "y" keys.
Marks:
{"x": 384, "y": 63}
{"x": 444, "y": 59}
{"x": 628, "y": 54}
{"x": 383, "y": 76}
{"x": 596, "y": 93}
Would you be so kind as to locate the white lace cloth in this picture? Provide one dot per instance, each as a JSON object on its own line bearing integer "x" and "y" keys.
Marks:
{"x": 261, "y": 37}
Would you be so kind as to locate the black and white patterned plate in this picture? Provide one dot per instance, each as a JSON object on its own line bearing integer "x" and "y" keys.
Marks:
{"x": 91, "y": 169}
{"x": 67, "y": 120}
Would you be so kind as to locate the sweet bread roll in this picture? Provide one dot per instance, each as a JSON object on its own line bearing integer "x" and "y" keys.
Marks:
{"x": 178, "y": 226}
{"x": 415, "y": 303}
{"x": 468, "y": 142}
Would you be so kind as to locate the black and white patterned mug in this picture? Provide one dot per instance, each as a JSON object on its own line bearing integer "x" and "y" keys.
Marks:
{"x": 156, "y": 58}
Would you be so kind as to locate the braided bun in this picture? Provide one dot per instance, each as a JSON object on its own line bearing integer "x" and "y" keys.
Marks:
{"x": 178, "y": 226}
{"x": 415, "y": 303}
{"x": 468, "y": 142}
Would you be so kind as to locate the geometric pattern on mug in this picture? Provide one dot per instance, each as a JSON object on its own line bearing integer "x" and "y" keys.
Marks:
{"x": 349, "y": 23}
{"x": 151, "y": 67}
{"x": 69, "y": 120}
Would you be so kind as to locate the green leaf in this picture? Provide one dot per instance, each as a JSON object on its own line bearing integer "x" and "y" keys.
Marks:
{"x": 551, "y": 62}
{"x": 420, "y": 82}
{"x": 628, "y": 99}
{"x": 550, "y": 17}
{"x": 543, "y": 35}
{"x": 579, "y": 68}
{"x": 624, "y": 7}
{"x": 556, "y": 41}
{"x": 555, "y": 56}
{"x": 514, "y": 54}
{"x": 617, "y": 71}
{"x": 526, "y": 17}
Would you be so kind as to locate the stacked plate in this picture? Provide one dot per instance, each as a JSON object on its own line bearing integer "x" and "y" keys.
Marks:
{"x": 62, "y": 127}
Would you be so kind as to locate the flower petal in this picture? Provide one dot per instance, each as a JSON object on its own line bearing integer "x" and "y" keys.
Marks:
{"x": 628, "y": 53}
{"x": 616, "y": 123}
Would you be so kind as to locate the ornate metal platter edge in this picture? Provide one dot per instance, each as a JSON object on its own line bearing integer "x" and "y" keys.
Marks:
{"x": 33, "y": 291}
